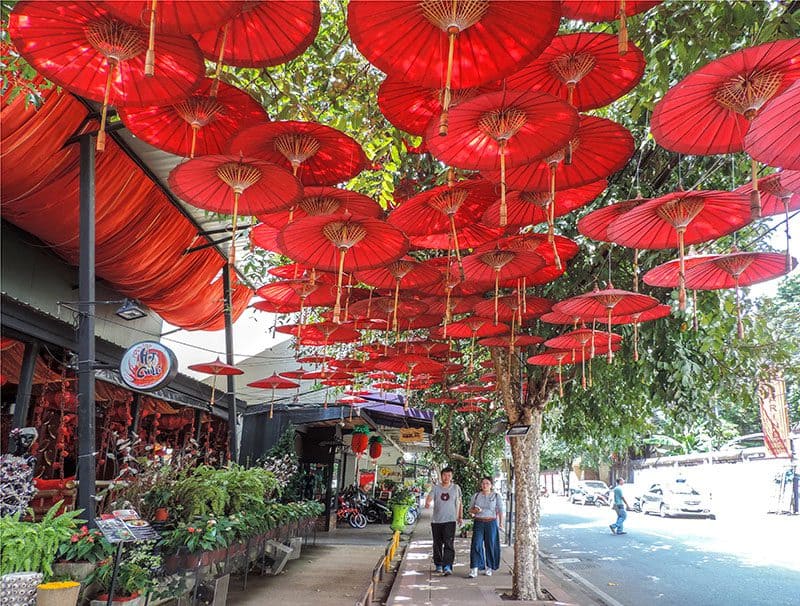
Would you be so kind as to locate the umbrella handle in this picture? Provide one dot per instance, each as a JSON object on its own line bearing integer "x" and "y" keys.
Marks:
{"x": 215, "y": 85}
{"x": 681, "y": 271}
{"x": 755, "y": 195}
{"x": 232, "y": 256}
{"x": 444, "y": 117}
{"x": 503, "y": 206}
{"x": 195, "y": 129}
{"x": 213, "y": 389}
{"x": 496, "y": 293}
{"x": 622, "y": 37}
{"x": 337, "y": 308}
{"x": 560, "y": 381}
{"x": 635, "y": 341}
{"x": 583, "y": 366}
{"x": 101, "y": 134}
{"x": 739, "y": 324}
{"x": 456, "y": 246}
{"x": 150, "y": 56}
{"x": 635, "y": 270}
{"x": 788, "y": 237}
{"x": 610, "y": 354}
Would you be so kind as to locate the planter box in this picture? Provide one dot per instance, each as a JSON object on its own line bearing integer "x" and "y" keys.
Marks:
{"x": 118, "y": 601}
{"x": 77, "y": 571}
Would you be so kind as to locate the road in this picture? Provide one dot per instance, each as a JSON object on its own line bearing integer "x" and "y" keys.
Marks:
{"x": 666, "y": 561}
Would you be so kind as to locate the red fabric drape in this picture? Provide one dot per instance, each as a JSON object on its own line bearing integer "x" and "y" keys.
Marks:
{"x": 141, "y": 237}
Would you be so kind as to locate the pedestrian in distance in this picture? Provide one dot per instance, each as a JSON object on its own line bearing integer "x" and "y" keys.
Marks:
{"x": 447, "y": 513}
{"x": 620, "y": 507}
{"x": 487, "y": 510}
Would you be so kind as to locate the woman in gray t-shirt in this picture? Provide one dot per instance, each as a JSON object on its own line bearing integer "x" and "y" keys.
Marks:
{"x": 487, "y": 509}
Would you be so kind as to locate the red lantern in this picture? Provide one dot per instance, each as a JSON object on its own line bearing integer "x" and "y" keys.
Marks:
{"x": 359, "y": 443}
{"x": 375, "y": 448}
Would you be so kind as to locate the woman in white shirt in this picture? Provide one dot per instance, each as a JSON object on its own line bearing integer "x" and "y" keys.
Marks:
{"x": 487, "y": 509}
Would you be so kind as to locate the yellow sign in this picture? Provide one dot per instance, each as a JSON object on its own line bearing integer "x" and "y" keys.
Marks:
{"x": 408, "y": 434}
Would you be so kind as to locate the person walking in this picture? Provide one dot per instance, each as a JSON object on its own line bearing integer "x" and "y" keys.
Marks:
{"x": 487, "y": 509}
{"x": 447, "y": 512}
{"x": 620, "y": 506}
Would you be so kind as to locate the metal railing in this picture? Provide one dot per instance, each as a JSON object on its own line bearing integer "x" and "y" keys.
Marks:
{"x": 382, "y": 566}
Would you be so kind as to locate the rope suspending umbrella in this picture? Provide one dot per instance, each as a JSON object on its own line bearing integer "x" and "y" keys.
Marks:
{"x": 505, "y": 129}
{"x": 234, "y": 185}
{"x": 735, "y": 270}
{"x": 81, "y": 47}
{"x": 608, "y": 10}
{"x": 458, "y": 43}
{"x": 215, "y": 368}
{"x": 273, "y": 382}
{"x": 711, "y": 109}
{"x": 667, "y": 275}
{"x": 679, "y": 219}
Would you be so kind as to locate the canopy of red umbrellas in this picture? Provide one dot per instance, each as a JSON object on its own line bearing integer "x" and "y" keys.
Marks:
{"x": 496, "y": 95}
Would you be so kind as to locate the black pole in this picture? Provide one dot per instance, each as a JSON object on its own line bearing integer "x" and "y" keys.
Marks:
{"x": 25, "y": 385}
{"x": 136, "y": 413}
{"x": 233, "y": 430}
{"x": 114, "y": 573}
{"x": 198, "y": 425}
{"x": 795, "y": 477}
{"x": 86, "y": 344}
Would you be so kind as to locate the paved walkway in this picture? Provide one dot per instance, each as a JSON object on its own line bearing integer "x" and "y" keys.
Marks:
{"x": 417, "y": 584}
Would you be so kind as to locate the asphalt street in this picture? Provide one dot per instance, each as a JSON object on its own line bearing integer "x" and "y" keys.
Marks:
{"x": 734, "y": 561}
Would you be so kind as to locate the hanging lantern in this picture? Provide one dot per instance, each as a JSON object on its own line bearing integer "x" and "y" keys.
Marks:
{"x": 360, "y": 440}
{"x": 375, "y": 447}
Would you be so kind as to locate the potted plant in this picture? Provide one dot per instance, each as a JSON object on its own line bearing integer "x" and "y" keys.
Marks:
{"x": 136, "y": 576}
{"x": 58, "y": 593}
{"x": 402, "y": 499}
{"x": 78, "y": 556}
{"x": 157, "y": 499}
{"x": 195, "y": 538}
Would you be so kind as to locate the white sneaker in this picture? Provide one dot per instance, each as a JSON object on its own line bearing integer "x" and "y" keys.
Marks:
{"x": 473, "y": 572}
{"x": 488, "y": 572}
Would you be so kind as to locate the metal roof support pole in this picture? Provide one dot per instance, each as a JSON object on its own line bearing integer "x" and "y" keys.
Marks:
{"x": 233, "y": 421}
{"x": 86, "y": 344}
{"x": 25, "y": 384}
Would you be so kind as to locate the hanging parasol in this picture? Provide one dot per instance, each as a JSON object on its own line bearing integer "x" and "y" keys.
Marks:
{"x": 519, "y": 341}
{"x": 410, "y": 365}
{"x": 556, "y": 358}
{"x": 603, "y": 304}
{"x": 325, "y": 201}
{"x": 710, "y": 110}
{"x": 83, "y": 48}
{"x": 654, "y": 313}
{"x": 774, "y": 135}
{"x": 504, "y": 129}
{"x": 215, "y": 368}
{"x": 442, "y": 400}
{"x": 678, "y": 219}
{"x": 234, "y": 185}
{"x": 342, "y": 243}
{"x": 735, "y": 270}
{"x": 172, "y": 17}
{"x": 531, "y": 208}
{"x": 199, "y": 125}
{"x": 585, "y": 69}
{"x": 585, "y": 340}
{"x": 316, "y": 154}
{"x": 273, "y": 382}
{"x": 411, "y": 107}
{"x": 608, "y": 10}
{"x": 457, "y": 44}
{"x": 297, "y": 373}
{"x": 265, "y": 236}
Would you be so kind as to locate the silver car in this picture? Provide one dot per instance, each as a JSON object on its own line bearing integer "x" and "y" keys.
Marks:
{"x": 678, "y": 499}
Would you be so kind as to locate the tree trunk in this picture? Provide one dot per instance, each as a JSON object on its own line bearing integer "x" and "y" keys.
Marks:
{"x": 525, "y": 453}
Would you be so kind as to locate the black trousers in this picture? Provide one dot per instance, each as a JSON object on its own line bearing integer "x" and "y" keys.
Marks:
{"x": 443, "y": 536}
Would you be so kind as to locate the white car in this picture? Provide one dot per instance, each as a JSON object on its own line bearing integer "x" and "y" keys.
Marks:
{"x": 676, "y": 499}
{"x": 589, "y": 492}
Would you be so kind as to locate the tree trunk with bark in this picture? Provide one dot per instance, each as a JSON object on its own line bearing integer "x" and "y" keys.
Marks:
{"x": 524, "y": 409}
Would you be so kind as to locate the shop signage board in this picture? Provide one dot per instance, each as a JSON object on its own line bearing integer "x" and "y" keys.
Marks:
{"x": 409, "y": 434}
{"x": 148, "y": 366}
{"x": 125, "y": 525}
{"x": 390, "y": 472}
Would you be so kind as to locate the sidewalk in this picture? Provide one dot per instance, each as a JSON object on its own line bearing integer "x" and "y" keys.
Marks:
{"x": 417, "y": 584}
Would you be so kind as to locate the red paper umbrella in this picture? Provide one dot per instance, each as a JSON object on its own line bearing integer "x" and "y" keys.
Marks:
{"x": 328, "y": 375}
{"x": 264, "y": 34}
{"x": 80, "y": 46}
{"x": 317, "y": 154}
{"x": 510, "y": 308}
{"x": 411, "y": 107}
{"x": 444, "y": 212}
{"x": 735, "y": 270}
{"x": 478, "y": 399}
{"x": 530, "y": 208}
{"x": 491, "y": 266}
{"x": 595, "y": 224}
{"x": 315, "y": 359}
{"x": 273, "y": 382}
{"x": 667, "y": 275}
{"x": 200, "y": 125}
{"x": 466, "y": 408}
{"x": 276, "y": 308}
{"x": 469, "y": 236}
{"x": 608, "y": 10}
{"x": 350, "y": 364}
{"x": 321, "y": 333}
{"x": 265, "y": 236}
{"x": 417, "y": 322}
{"x": 325, "y": 201}
{"x": 406, "y": 273}
{"x": 553, "y": 249}
{"x": 297, "y": 373}
{"x": 587, "y": 341}
{"x": 467, "y": 388}
{"x": 301, "y": 293}
{"x": 557, "y": 317}
{"x": 777, "y": 197}
{"x": 458, "y": 44}
{"x": 386, "y": 385}
{"x": 774, "y": 136}
{"x": 172, "y": 17}
{"x": 296, "y": 271}
{"x": 678, "y": 219}
{"x": 410, "y": 365}
{"x": 442, "y": 400}
{"x": 342, "y": 243}
{"x": 585, "y": 69}
{"x": 605, "y": 304}
{"x": 654, "y": 313}
{"x": 471, "y": 327}
{"x": 215, "y": 368}
{"x": 504, "y": 129}
{"x": 384, "y": 307}
{"x": 234, "y": 185}
{"x": 709, "y": 111}
{"x": 519, "y": 341}
{"x": 555, "y": 358}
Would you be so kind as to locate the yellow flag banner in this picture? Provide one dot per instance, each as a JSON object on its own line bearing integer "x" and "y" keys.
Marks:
{"x": 774, "y": 417}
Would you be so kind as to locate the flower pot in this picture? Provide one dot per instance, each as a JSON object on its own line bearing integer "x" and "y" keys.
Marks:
{"x": 161, "y": 515}
{"x": 76, "y": 571}
{"x": 131, "y": 600}
{"x": 399, "y": 517}
{"x": 192, "y": 560}
{"x": 58, "y": 594}
{"x": 172, "y": 563}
